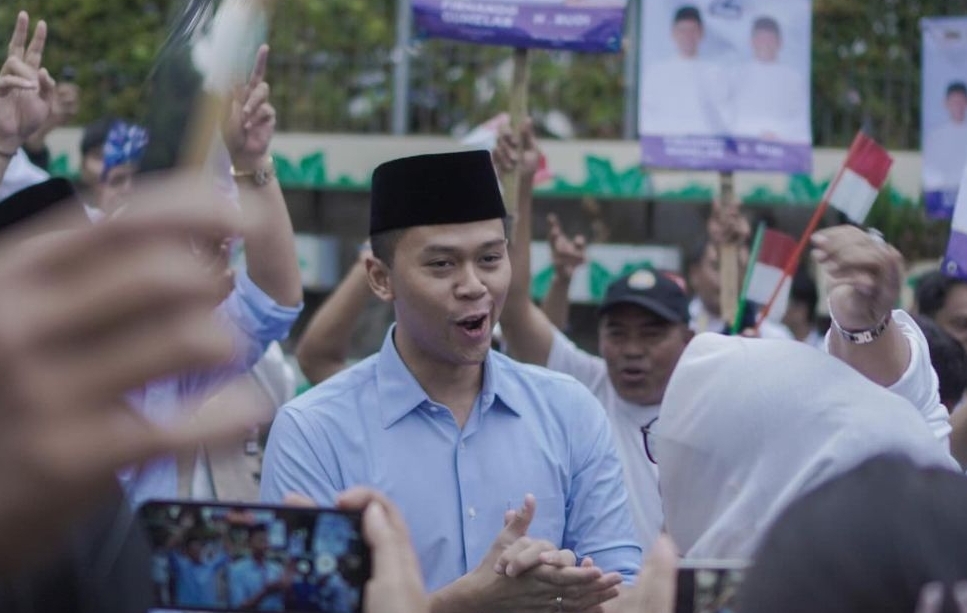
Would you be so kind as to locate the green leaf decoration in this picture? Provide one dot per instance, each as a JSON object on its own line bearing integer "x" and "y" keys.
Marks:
{"x": 286, "y": 171}
{"x": 313, "y": 170}
{"x": 602, "y": 178}
{"x": 60, "y": 166}
{"x": 541, "y": 282}
{"x": 692, "y": 191}
{"x": 599, "y": 278}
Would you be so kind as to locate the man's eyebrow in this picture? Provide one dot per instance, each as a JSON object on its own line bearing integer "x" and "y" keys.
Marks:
{"x": 450, "y": 249}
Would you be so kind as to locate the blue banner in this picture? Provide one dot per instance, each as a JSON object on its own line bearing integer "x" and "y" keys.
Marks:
{"x": 575, "y": 25}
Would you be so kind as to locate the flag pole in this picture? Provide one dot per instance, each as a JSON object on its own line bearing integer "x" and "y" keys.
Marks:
{"x": 728, "y": 256}
{"x": 793, "y": 263}
{"x": 518, "y": 114}
{"x": 753, "y": 258}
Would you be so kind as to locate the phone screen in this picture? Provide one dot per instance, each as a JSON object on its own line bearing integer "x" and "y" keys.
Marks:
{"x": 708, "y": 587}
{"x": 217, "y": 557}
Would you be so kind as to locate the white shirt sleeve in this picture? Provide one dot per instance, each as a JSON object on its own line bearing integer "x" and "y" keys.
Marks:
{"x": 568, "y": 358}
{"x": 919, "y": 384}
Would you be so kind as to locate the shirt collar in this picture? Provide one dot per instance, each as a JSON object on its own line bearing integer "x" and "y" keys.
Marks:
{"x": 400, "y": 393}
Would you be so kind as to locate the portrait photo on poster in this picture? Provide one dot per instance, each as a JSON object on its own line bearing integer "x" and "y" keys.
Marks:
{"x": 943, "y": 111}
{"x": 725, "y": 85}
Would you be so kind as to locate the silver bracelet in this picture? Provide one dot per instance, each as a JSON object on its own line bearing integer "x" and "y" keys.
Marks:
{"x": 861, "y": 337}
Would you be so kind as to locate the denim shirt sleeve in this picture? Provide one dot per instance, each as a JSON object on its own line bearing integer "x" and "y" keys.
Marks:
{"x": 255, "y": 320}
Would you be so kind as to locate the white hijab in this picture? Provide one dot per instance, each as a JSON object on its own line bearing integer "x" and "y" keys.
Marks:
{"x": 748, "y": 425}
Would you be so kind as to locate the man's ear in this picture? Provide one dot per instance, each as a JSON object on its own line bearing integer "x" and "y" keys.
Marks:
{"x": 380, "y": 281}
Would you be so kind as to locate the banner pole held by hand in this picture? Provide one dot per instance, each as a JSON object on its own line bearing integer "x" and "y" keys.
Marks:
{"x": 728, "y": 258}
{"x": 518, "y": 114}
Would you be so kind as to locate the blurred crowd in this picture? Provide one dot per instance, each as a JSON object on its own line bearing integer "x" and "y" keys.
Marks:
{"x": 497, "y": 465}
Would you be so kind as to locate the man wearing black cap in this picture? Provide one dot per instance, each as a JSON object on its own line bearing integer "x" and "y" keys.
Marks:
{"x": 456, "y": 434}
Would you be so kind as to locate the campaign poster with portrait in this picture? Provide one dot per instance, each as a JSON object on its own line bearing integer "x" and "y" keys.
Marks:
{"x": 576, "y": 25}
{"x": 943, "y": 111}
{"x": 725, "y": 85}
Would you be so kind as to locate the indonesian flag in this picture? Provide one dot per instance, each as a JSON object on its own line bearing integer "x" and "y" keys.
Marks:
{"x": 955, "y": 260}
{"x": 771, "y": 254}
{"x": 863, "y": 174}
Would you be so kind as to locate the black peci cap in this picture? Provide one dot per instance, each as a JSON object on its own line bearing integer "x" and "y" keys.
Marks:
{"x": 434, "y": 189}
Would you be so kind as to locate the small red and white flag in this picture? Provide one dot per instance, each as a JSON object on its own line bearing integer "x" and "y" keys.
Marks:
{"x": 771, "y": 255}
{"x": 861, "y": 178}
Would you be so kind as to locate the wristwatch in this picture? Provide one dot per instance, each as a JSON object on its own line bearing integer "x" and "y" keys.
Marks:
{"x": 260, "y": 176}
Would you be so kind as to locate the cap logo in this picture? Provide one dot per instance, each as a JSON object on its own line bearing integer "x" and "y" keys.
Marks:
{"x": 642, "y": 280}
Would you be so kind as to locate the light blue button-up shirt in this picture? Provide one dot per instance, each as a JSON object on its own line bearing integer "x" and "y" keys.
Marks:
{"x": 530, "y": 431}
{"x": 256, "y": 320}
{"x": 246, "y": 578}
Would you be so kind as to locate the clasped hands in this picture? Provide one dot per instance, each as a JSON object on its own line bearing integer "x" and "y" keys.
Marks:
{"x": 522, "y": 573}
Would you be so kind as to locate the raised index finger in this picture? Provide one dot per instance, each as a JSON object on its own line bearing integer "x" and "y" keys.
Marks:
{"x": 258, "y": 72}
{"x": 19, "y": 38}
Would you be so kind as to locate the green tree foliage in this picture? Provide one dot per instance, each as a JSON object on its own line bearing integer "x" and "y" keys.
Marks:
{"x": 332, "y": 66}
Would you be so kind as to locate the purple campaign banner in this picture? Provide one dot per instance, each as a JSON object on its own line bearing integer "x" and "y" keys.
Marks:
{"x": 955, "y": 260}
{"x": 591, "y": 26}
{"x": 725, "y": 153}
{"x": 940, "y": 203}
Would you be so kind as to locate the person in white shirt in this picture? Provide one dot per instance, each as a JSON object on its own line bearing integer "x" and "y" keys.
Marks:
{"x": 684, "y": 95}
{"x": 770, "y": 99}
{"x": 643, "y": 331}
{"x": 945, "y": 146}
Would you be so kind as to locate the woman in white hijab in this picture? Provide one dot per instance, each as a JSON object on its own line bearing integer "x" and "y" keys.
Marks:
{"x": 748, "y": 425}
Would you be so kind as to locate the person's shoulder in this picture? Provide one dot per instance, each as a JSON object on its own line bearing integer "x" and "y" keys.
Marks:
{"x": 532, "y": 374}
{"x": 338, "y": 392}
{"x": 558, "y": 392}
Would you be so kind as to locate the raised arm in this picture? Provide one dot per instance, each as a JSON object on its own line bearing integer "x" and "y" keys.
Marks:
{"x": 270, "y": 255}
{"x": 26, "y": 89}
{"x": 529, "y": 333}
{"x": 864, "y": 285}
{"x": 567, "y": 254}
{"x": 324, "y": 346}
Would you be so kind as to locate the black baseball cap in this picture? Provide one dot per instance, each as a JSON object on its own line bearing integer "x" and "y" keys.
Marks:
{"x": 651, "y": 289}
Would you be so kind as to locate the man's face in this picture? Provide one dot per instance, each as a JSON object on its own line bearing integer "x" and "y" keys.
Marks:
{"x": 688, "y": 35}
{"x": 448, "y": 284}
{"x": 259, "y": 543}
{"x": 705, "y": 280}
{"x": 953, "y": 316}
{"x": 92, "y": 165}
{"x": 194, "y": 550}
{"x": 112, "y": 192}
{"x": 641, "y": 350}
{"x": 765, "y": 45}
{"x": 956, "y": 104}
{"x": 703, "y": 277}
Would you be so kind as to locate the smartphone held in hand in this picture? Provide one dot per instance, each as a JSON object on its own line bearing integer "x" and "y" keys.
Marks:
{"x": 709, "y": 586}
{"x": 230, "y": 557}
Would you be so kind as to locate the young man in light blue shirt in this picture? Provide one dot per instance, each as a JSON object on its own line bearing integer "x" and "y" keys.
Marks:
{"x": 255, "y": 582}
{"x": 454, "y": 433}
